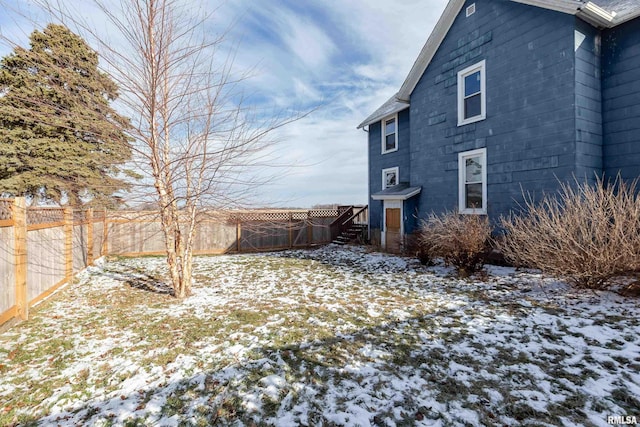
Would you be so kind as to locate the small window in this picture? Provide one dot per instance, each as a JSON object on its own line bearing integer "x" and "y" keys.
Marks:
{"x": 390, "y": 177}
{"x": 472, "y": 179}
{"x": 471, "y": 9}
{"x": 390, "y": 135}
{"x": 471, "y": 94}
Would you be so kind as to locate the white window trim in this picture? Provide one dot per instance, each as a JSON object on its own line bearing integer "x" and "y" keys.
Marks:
{"x": 384, "y": 172}
{"x": 384, "y": 136}
{"x": 483, "y": 93}
{"x": 461, "y": 182}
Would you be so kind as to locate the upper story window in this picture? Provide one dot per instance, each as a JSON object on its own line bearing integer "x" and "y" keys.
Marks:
{"x": 390, "y": 134}
{"x": 472, "y": 97}
{"x": 390, "y": 177}
{"x": 472, "y": 182}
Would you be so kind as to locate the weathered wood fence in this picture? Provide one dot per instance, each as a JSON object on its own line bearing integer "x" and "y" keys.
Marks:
{"x": 140, "y": 233}
{"x": 42, "y": 248}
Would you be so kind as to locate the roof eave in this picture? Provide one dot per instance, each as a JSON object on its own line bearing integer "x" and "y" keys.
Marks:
{"x": 621, "y": 19}
{"x": 442, "y": 28}
{"x": 438, "y": 34}
{"x": 589, "y": 11}
{"x": 557, "y": 5}
{"x": 409, "y": 195}
{"x": 377, "y": 117}
{"x": 596, "y": 16}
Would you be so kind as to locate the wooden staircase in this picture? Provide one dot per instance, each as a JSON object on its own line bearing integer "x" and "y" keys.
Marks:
{"x": 355, "y": 233}
{"x": 351, "y": 225}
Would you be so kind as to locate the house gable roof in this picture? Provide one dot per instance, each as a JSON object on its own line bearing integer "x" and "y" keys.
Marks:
{"x": 392, "y": 106}
{"x": 625, "y": 10}
{"x": 430, "y": 47}
{"x": 600, "y": 13}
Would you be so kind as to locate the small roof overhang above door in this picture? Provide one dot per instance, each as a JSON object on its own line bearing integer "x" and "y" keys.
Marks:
{"x": 401, "y": 191}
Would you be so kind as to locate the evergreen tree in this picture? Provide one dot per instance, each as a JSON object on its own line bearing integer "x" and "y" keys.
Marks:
{"x": 59, "y": 136}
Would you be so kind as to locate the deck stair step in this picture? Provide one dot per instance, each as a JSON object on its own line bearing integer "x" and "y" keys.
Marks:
{"x": 355, "y": 232}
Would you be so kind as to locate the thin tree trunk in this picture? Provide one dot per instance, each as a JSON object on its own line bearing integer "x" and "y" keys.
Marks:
{"x": 194, "y": 140}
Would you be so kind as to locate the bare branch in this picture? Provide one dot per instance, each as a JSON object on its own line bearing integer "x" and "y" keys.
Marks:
{"x": 195, "y": 141}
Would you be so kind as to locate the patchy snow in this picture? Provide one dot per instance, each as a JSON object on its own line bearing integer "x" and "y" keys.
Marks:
{"x": 332, "y": 335}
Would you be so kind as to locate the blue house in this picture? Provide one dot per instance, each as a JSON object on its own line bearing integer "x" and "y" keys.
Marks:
{"x": 506, "y": 96}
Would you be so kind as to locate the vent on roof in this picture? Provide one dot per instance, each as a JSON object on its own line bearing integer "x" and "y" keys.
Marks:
{"x": 471, "y": 9}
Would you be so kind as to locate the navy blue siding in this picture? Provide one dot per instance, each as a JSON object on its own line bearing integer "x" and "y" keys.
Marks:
{"x": 530, "y": 127}
{"x": 588, "y": 102}
{"x": 562, "y": 101}
{"x": 411, "y": 215}
{"x": 621, "y": 99}
{"x": 379, "y": 161}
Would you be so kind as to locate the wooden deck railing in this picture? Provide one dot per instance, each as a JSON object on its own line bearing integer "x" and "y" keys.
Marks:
{"x": 350, "y": 215}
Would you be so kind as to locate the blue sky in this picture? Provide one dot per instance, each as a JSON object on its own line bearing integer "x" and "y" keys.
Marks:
{"x": 345, "y": 57}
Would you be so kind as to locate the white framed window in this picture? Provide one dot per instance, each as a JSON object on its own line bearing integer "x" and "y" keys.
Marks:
{"x": 472, "y": 182}
{"x": 472, "y": 96}
{"x": 390, "y": 134}
{"x": 390, "y": 177}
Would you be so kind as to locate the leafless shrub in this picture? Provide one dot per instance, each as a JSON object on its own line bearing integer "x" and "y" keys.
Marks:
{"x": 413, "y": 246}
{"x": 460, "y": 240}
{"x": 586, "y": 234}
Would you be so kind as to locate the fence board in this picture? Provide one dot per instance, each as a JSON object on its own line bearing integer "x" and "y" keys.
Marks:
{"x": 321, "y": 230}
{"x": 45, "y": 260}
{"x": 7, "y": 271}
{"x": 98, "y": 238}
{"x": 19, "y": 211}
{"x": 134, "y": 237}
{"x": 131, "y": 233}
{"x": 215, "y": 236}
{"x": 299, "y": 233}
{"x": 258, "y": 235}
{"x": 79, "y": 250}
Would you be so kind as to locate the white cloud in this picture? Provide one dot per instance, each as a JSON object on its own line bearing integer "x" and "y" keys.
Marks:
{"x": 350, "y": 57}
{"x": 305, "y": 90}
{"x": 307, "y": 41}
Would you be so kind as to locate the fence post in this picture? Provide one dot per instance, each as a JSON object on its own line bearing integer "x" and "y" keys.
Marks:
{"x": 238, "y": 235}
{"x": 309, "y": 229}
{"x": 105, "y": 234}
{"x": 290, "y": 229}
{"x": 89, "y": 220}
{"x": 20, "y": 254}
{"x": 68, "y": 243}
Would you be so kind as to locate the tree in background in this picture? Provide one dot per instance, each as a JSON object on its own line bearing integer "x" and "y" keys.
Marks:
{"x": 59, "y": 136}
{"x": 196, "y": 143}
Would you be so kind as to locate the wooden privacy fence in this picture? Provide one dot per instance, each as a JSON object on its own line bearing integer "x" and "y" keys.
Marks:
{"x": 217, "y": 232}
{"x": 42, "y": 248}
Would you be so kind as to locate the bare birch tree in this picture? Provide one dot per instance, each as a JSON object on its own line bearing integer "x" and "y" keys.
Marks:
{"x": 194, "y": 138}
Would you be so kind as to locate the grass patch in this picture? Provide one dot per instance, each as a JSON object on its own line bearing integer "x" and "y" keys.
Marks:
{"x": 313, "y": 335}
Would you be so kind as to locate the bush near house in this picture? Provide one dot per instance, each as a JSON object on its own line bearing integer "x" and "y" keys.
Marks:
{"x": 586, "y": 234}
{"x": 413, "y": 247}
{"x": 460, "y": 240}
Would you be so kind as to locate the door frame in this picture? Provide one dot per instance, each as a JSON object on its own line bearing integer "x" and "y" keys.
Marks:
{"x": 391, "y": 204}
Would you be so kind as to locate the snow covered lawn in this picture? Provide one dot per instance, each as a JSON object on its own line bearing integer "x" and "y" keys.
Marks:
{"x": 332, "y": 336}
